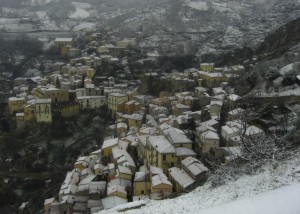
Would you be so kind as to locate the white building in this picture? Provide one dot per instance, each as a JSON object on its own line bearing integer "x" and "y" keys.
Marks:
{"x": 91, "y": 102}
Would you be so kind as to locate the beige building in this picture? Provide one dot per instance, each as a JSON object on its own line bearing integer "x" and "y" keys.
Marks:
{"x": 209, "y": 141}
{"x": 209, "y": 67}
{"x": 142, "y": 184}
{"x": 91, "y": 102}
{"x": 50, "y": 92}
{"x": 114, "y": 99}
{"x": 21, "y": 121}
{"x": 16, "y": 104}
{"x": 43, "y": 110}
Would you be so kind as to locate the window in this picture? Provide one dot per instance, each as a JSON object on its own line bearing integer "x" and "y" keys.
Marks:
{"x": 172, "y": 164}
{"x": 164, "y": 157}
{"x": 142, "y": 192}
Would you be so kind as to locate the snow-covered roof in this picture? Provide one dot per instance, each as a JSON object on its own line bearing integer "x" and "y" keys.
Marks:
{"x": 156, "y": 170}
{"x": 179, "y": 105}
{"x": 252, "y": 130}
{"x": 210, "y": 135}
{"x": 71, "y": 189}
{"x": 120, "y": 181}
{"x": 121, "y": 125}
{"x": 112, "y": 201}
{"x": 160, "y": 179}
{"x": 97, "y": 152}
{"x": 96, "y": 187}
{"x": 16, "y": 99}
{"x": 210, "y": 122}
{"x": 135, "y": 117}
{"x": 148, "y": 130}
{"x": 49, "y": 201}
{"x": 177, "y": 137}
{"x": 116, "y": 153}
{"x": 140, "y": 176}
{"x": 218, "y": 90}
{"x": 116, "y": 188}
{"x": 235, "y": 123}
{"x": 183, "y": 152}
{"x": 202, "y": 128}
{"x": 71, "y": 178}
{"x": 181, "y": 177}
{"x": 110, "y": 143}
{"x": 233, "y": 97}
{"x": 161, "y": 144}
{"x": 194, "y": 166}
{"x": 124, "y": 170}
{"x": 63, "y": 40}
{"x": 142, "y": 139}
{"x": 216, "y": 102}
{"x": 99, "y": 166}
{"x": 230, "y": 130}
{"x": 87, "y": 180}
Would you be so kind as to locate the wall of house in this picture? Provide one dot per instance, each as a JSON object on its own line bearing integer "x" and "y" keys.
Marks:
{"x": 91, "y": 102}
{"x": 142, "y": 188}
{"x": 167, "y": 163}
{"x": 134, "y": 123}
{"x": 209, "y": 144}
{"x": 114, "y": 100}
{"x": 162, "y": 188}
{"x": 43, "y": 112}
{"x": 16, "y": 105}
{"x": 120, "y": 194}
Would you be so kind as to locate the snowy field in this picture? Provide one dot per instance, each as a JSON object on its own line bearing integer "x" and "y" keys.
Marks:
{"x": 244, "y": 192}
{"x": 284, "y": 200}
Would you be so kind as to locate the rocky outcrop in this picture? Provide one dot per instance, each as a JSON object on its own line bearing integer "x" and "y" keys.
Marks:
{"x": 286, "y": 35}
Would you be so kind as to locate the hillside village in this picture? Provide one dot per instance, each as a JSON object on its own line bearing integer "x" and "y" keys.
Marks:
{"x": 159, "y": 146}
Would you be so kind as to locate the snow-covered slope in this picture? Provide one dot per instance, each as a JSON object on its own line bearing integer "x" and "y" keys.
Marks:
{"x": 283, "y": 200}
{"x": 271, "y": 176}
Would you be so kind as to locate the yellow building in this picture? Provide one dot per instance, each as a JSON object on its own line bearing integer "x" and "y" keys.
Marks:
{"x": 47, "y": 204}
{"x": 209, "y": 141}
{"x": 29, "y": 111}
{"x": 135, "y": 120}
{"x": 124, "y": 173}
{"x": 114, "y": 99}
{"x": 129, "y": 107}
{"x": 82, "y": 163}
{"x": 125, "y": 43}
{"x": 116, "y": 190}
{"x": 160, "y": 186}
{"x": 131, "y": 94}
{"x": 142, "y": 184}
{"x": 108, "y": 145}
{"x": 69, "y": 109}
{"x": 90, "y": 73}
{"x": 209, "y": 67}
{"x": 63, "y": 41}
{"x": 50, "y": 92}
{"x": 99, "y": 169}
{"x": 181, "y": 179}
{"x": 211, "y": 80}
{"x": 161, "y": 152}
{"x": 178, "y": 138}
{"x": 142, "y": 146}
{"x": 105, "y": 48}
{"x": 16, "y": 104}
{"x": 121, "y": 129}
{"x": 43, "y": 110}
